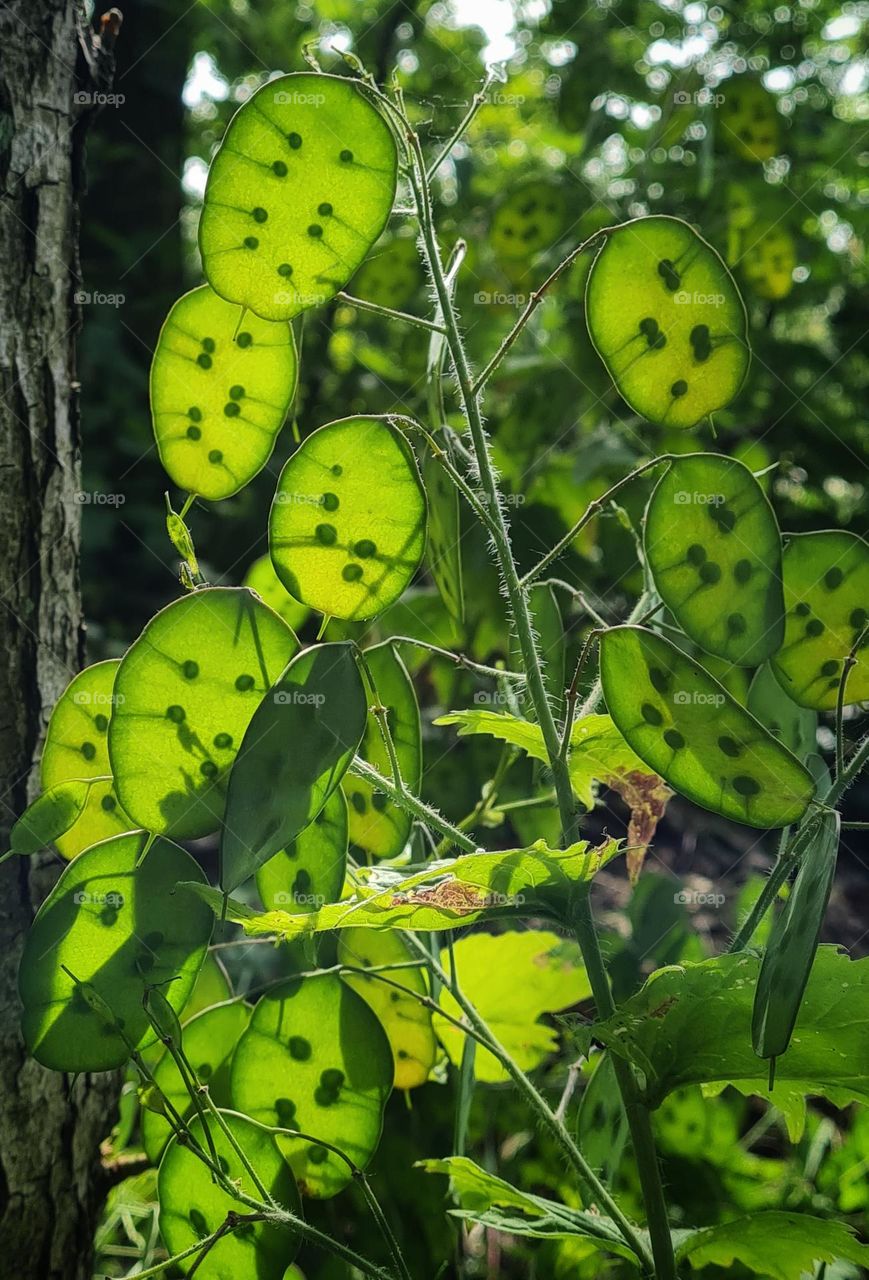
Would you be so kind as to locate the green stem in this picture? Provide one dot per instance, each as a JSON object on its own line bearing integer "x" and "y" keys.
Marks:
{"x": 200, "y": 1245}
{"x": 847, "y": 775}
{"x": 781, "y": 870}
{"x": 478, "y": 99}
{"x": 460, "y": 660}
{"x": 412, "y": 804}
{"x": 388, "y": 312}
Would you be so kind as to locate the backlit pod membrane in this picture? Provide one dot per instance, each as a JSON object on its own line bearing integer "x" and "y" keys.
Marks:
{"x": 714, "y": 549}
{"x": 528, "y": 221}
{"x": 262, "y": 579}
{"x": 299, "y": 191}
{"x": 221, "y": 387}
{"x": 667, "y": 320}
{"x": 348, "y": 521}
{"x": 190, "y": 684}
{"x": 111, "y": 927}
{"x": 76, "y": 746}
{"x": 767, "y": 261}
{"x": 826, "y": 586}
{"x": 683, "y": 724}
{"x": 748, "y": 120}
{"x": 315, "y": 1058}
{"x": 310, "y": 870}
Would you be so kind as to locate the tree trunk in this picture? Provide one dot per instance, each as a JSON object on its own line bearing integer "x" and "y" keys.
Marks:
{"x": 50, "y": 1126}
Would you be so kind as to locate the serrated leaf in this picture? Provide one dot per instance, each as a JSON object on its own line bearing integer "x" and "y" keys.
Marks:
{"x": 826, "y": 588}
{"x": 446, "y": 895}
{"x": 714, "y": 548}
{"x": 691, "y": 1024}
{"x": 667, "y": 320}
{"x": 193, "y": 1205}
{"x": 512, "y": 979}
{"x": 315, "y": 1058}
{"x": 775, "y": 1245}
{"x": 299, "y": 191}
{"x": 376, "y": 824}
{"x": 221, "y": 389}
{"x": 185, "y": 692}
{"x": 407, "y": 1022}
{"x": 310, "y": 871}
{"x": 275, "y": 788}
{"x": 689, "y": 730}
{"x": 76, "y": 747}
{"x": 348, "y": 520}
{"x": 111, "y": 927}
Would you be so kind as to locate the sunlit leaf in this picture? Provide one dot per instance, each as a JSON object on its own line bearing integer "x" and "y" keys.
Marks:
{"x": 294, "y": 753}
{"x": 377, "y": 825}
{"x": 690, "y": 731}
{"x": 109, "y": 929}
{"x": 310, "y": 871}
{"x": 714, "y": 549}
{"x": 208, "y": 1043}
{"x": 347, "y": 525}
{"x": 221, "y": 389}
{"x": 826, "y": 586}
{"x": 184, "y": 695}
{"x": 315, "y": 1058}
{"x": 667, "y": 320}
{"x": 775, "y": 1245}
{"x": 512, "y": 979}
{"x": 447, "y": 895}
{"x": 193, "y": 1205}
{"x": 792, "y": 724}
{"x": 407, "y": 1022}
{"x": 76, "y": 747}
{"x": 299, "y": 191}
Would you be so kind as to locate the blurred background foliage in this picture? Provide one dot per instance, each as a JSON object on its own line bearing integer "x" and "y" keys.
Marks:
{"x": 751, "y": 120}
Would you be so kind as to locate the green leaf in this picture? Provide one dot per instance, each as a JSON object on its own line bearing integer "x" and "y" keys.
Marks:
{"x": 444, "y": 548}
{"x": 184, "y": 695}
{"x": 482, "y": 1196}
{"x": 377, "y": 825}
{"x": 347, "y": 525}
{"x": 310, "y": 871}
{"x": 446, "y": 895}
{"x": 602, "y": 1125}
{"x": 713, "y": 545}
{"x": 512, "y": 979}
{"x": 275, "y": 788}
{"x": 691, "y": 1024}
{"x": 826, "y": 586}
{"x": 208, "y": 1041}
{"x": 794, "y": 726}
{"x": 315, "y": 1058}
{"x": 49, "y": 816}
{"x": 262, "y": 579}
{"x": 689, "y": 730}
{"x": 221, "y": 389}
{"x": 406, "y": 1021}
{"x": 111, "y": 927}
{"x": 667, "y": 320}
{"x": 790, "y": 950}
{"x": 193, "y": 1205}
{"x": 299, "y": 191}
{"x": 775, "y": 1245}
{"x": 76, "y": 747}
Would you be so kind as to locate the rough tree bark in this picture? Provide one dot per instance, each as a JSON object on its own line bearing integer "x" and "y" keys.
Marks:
{"x": 50, "y": 1126}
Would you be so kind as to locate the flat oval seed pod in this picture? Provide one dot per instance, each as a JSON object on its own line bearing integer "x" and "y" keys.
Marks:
{"x": 667, "y": 321}
{"x": 190, "y": 685}
{"x": 117, "y": 927}
{"x": 714, "y": 548}
{"x": 793, "y": 942}
{"x": 315, "y": 1058}
{"x": 294, "y": 754}
{"x": 826, "y": 588}
{"x": 444, "y": 547}
{"x": 748, "y": 121}
{"x": 405, "y": 1020}
{"x": 300, "y": 190}
{"x": 529, "y": 221}
{"x": 208, "y": 1042}
{"x": 221, "y": 388}
{"x": 193, "y": 1205}
{"x": 310, "y": 871}
{"x": 347, "y": 525}
{"x": 793, "y": 725}
{"x": 687, "y": 728}
{"x": 50, "y": 815}
{"x": 262, "y": 579}
{"x": 76, "y": 746}
{"x": 377, "y": 825}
